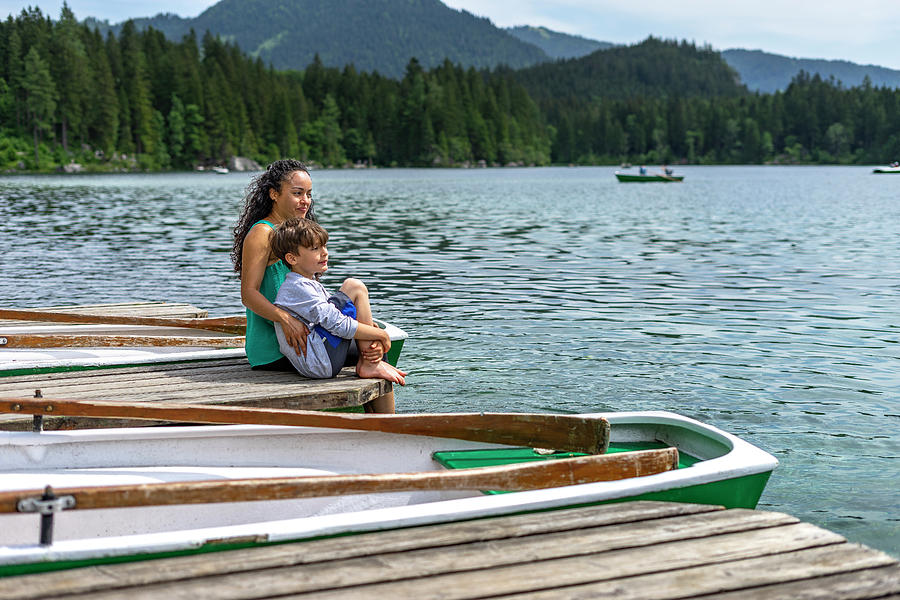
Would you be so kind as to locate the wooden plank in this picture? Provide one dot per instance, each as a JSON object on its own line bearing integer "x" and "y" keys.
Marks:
{"x": 148, "y": 309}
{"x": 159, "y": 376}
{"x": 880, "y": 582}
{"x": 28, "y": 379}
{"x": 333, "y": 550}
{"x": 635, "y": 550}
{"x": 527, "y": 578}
{"x": 572, "y": 433}
{"x": 459, "y": 561}
{"x": 200, "y": 384}
{"x": 804, "y": 567}
{"x": 228, "y": 381}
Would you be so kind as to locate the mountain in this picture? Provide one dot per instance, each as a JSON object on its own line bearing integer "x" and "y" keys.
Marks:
{"x": 372, "y": 35}
{"x": 555, "y": 44}
{"x": 768, "y": 73}
{"x": 653, "y": 68}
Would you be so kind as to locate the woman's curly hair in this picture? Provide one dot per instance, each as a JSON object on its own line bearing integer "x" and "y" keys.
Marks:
{"x": 258, "y": 203}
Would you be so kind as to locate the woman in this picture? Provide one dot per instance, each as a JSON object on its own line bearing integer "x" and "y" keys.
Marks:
{"x": 282, "y": 192}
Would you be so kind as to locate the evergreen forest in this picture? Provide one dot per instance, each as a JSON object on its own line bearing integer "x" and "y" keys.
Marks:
{"x": 135, "y": 100}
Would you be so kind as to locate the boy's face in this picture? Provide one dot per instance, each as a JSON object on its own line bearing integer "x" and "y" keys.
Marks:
{"x": 308, "y": 261}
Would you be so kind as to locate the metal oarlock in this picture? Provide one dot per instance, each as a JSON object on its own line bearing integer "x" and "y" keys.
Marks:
{"x": 37, "y": 421}
{"x": 47, "y": 505}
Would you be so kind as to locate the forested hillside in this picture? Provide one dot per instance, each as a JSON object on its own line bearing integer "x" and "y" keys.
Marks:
{"x": 765, "y": 72}
{"x": 813, "y": 121}
{"x": 141, "y": 101}
{"x": 555, "y": 44}
{"x": 652, "y": 68}
{"x": 372, "y": 35}
{"x": 137, "y": 100}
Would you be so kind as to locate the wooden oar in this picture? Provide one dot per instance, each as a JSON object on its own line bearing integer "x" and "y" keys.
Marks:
{"x": 518, "y": 477}
{"x": 53, "y": 340}
{"x": 572, "y": 433}
{"x": 234, "y": 324}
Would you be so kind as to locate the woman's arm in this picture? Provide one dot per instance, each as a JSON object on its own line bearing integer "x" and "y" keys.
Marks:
{"x": 371, "y": 332}
{"x": 255, "y": 258}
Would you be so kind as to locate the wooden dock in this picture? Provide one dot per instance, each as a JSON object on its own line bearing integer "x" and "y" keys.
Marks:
{"x": 223, "y": 381}
{"x": 636, "y": 550}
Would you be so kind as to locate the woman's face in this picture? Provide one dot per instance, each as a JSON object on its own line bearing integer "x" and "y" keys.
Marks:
{"x": 295, "y": 196}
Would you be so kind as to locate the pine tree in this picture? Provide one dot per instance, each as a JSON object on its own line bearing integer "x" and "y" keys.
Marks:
{"x": 40, "y": 96}
{"x": 71, "y": 72}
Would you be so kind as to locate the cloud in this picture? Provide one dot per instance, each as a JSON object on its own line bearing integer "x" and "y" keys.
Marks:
{"x": 861, "y": 31}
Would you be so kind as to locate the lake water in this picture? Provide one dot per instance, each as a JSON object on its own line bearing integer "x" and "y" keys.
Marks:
{"x": 762, "y": 300}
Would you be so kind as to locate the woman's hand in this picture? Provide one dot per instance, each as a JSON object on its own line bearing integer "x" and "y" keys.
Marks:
{"x": 295, "y": 333}
{"x": 372, "y": 351}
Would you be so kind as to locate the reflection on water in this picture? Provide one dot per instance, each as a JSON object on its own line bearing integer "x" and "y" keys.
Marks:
{"x": 761, "y": 300}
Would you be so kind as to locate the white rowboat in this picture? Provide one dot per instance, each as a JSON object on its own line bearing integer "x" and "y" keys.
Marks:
{"x": 718, "y": 468}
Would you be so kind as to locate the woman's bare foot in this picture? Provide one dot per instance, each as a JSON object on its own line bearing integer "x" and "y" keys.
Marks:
{"x": 381, "y": 370}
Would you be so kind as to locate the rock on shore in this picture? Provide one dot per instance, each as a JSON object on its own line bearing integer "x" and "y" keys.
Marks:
{"x": 242, "y": 163}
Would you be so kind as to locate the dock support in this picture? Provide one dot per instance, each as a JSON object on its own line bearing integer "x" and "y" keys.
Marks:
{"x": 381, "y": 404}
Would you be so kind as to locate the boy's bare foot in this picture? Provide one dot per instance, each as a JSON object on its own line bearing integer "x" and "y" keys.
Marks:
{"x": 390, "y": 366}
{"x": 381, "y": 370}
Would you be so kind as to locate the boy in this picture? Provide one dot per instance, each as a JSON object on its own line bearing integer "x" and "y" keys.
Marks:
{"x": 334, "y": 322}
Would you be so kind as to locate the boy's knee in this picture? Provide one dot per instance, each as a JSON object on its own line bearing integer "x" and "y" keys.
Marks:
{"x": 353, "y": 286}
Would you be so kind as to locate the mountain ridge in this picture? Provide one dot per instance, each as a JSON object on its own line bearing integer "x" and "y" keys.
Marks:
{"x": 431, "y": 31}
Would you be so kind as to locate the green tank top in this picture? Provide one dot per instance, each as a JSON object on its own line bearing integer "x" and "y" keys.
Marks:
{"x": 262, "y": 345}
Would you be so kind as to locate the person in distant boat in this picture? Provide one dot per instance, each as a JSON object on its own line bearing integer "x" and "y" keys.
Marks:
{"x": 894, "y": 164}
{"x": 667, "y": 170}
{"x": 643, "y": 170}
{"x": 335, "y": 322}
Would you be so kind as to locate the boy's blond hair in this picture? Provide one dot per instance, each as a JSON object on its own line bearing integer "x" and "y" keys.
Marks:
{"x": 297, "y": 233}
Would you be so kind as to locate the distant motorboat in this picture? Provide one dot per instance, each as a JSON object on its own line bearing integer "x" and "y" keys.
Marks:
{"x": 647, "y": 178}
{"x": 893, "y": 168}
{"x": 220, "y": 170}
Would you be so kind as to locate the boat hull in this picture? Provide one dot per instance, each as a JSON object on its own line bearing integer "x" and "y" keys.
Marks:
{"x": 724, "y": 470}
{"x": 887, "y": 170}
{"x": 630, "y": 178}
{"x": 54, "y": 360}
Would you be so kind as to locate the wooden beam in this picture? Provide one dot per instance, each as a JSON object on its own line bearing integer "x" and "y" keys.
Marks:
{"x": 518, "y": 477}
{"x": 234, "y": 324}
{"x": 572, "y": 433}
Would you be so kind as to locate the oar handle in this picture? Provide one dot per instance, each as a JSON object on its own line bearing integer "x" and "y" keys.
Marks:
{"x": 573, "y": 433}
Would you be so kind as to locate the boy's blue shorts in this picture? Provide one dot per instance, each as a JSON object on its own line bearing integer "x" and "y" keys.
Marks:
{"x": 340, "y": 351}
{"x": 344, "y": 304}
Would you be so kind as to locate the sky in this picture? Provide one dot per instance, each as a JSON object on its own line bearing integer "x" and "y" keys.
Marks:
{"x": 861, "y": 31}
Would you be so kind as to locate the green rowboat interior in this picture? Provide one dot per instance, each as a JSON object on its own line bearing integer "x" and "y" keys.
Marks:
{"x": 714, "y": 467}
